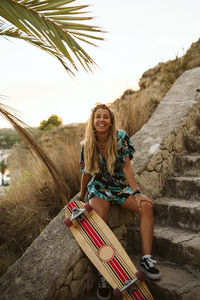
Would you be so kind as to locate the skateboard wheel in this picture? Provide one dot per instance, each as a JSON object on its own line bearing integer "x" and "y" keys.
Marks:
{"x": 68, "y": 222}
{"x": 140, "y": 275}
{"x": 88, "y": 207}
{"x": 117, "y": 294}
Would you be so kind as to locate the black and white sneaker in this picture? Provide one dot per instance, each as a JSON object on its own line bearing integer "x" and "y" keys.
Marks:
{"x": 147, "y": 265}
{"x": 103, "y": 289}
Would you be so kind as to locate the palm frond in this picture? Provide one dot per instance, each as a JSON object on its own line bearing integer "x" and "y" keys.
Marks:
{"x": 50, "y": 25}
{"x": 29, "y": 141}
{"x": 16, "y": 33}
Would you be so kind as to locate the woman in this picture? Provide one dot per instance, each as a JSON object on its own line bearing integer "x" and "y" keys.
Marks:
{"x": 108, "y": 176}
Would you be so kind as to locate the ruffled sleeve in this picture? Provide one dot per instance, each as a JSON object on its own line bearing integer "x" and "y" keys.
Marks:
{"x": 125, "y": 146}
{"x": 82, "y": 163}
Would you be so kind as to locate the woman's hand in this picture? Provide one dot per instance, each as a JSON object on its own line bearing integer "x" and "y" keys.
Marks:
{"x": 140, "y": 198}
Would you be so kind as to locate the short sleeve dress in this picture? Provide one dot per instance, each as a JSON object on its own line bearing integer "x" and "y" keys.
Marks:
{"x": 104, "y": 185}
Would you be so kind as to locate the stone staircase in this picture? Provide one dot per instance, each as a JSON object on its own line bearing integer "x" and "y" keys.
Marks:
{"x": 176, "y": 243}
{"x": 177, "y": 229}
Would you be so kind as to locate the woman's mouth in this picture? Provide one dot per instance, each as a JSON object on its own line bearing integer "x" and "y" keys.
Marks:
{"x": 101, "y": 125}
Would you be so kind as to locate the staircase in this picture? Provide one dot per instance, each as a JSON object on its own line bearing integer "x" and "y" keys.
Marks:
{"x": 176, "y": 243}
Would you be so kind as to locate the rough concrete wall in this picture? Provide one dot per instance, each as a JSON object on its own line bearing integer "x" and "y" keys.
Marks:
{"x": 54, "y": 267}
{"x": 163, "y": 135}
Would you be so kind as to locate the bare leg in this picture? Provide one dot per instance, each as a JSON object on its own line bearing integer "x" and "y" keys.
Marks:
{"x": 146, "y": 222}
{"x": 101, "y": 206}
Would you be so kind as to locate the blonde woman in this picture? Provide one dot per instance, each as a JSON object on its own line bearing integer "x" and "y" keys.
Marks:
{"x": 107, "y": 176}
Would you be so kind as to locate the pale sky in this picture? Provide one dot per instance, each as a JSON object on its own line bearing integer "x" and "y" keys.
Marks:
{"x": 140, "y": 35}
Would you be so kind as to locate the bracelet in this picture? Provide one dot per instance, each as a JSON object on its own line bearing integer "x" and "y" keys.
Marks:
{"x": 137, "y": 192}
{"x": 137, "y": 195}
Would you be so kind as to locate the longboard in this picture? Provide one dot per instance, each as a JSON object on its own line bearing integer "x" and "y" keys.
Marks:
{"x": 105, "y": 252}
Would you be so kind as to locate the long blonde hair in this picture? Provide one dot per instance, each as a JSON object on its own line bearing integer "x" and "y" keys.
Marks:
{"x": 91, "y": 156}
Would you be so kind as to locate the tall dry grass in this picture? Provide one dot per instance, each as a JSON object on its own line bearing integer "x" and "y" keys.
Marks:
{"x": 133, "y": 112}
{"x": 29, "y": 204}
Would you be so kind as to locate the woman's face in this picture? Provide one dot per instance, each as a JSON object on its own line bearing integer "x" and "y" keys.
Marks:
{"x": 102, "y": 120}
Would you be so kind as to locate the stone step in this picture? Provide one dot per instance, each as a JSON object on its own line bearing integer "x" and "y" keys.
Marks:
{"x": 198, "y": 124}
{"x": 172, "y": 244}
{"x": 175, "y": 284}
{"x": 177, "y": 212}
{"x": 182, "y": 187}
{"x": 192, "y": 143}
{"x": 187, "y": 164}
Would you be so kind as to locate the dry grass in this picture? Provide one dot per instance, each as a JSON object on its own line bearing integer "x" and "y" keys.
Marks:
{"x": 174, "y": 68}
{"x": 30, "y": 204}
{"x": 133, "y": 112}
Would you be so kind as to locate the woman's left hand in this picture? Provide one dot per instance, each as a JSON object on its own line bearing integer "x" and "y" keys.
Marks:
{"x": 140, "y": 198}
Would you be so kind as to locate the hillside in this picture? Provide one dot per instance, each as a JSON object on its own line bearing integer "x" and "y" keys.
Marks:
{"x": 134, "y": 108}
{"x": 8, "y": 137}
{"x": 55, "y": 142}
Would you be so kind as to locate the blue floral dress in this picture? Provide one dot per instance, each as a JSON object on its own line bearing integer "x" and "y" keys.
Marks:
{"x": 104, "y": 185}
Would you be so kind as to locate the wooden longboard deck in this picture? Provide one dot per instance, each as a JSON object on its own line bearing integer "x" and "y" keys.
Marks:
{"x": 105, "y": 251}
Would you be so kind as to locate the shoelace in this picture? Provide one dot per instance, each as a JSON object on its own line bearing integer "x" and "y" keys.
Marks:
{"x": 151, "y": 262}
{"x": 103, "y": 282}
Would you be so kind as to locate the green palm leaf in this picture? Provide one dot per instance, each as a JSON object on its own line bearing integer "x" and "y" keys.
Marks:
{"x": 50, "y": 25}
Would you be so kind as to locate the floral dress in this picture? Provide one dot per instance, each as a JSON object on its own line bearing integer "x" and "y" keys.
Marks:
{"x": 104, "y": 185}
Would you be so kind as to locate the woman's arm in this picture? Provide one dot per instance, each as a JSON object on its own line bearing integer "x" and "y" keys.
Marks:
{"x": 130, "y": 177}
{"x": 129, "y": 174}
{"x": 84, "y": 182}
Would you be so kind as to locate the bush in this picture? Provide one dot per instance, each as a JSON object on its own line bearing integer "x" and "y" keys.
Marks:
{"x": 53, "y": 121}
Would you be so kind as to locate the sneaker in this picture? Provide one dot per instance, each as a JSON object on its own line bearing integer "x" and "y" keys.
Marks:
{"x": 147, "y": 265}
{"x": 103, "y": 289}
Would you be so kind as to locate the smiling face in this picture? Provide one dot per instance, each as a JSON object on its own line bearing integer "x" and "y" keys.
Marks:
{"x": 102, "y": 120}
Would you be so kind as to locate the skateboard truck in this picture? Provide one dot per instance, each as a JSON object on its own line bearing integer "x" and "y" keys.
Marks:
{"x": 129, "y": 285}
{"x": 77, "y": 213}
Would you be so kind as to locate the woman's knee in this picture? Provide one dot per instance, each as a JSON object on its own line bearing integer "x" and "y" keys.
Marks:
{"x": 146, "y": 207}
{"x": 101, "y": 207}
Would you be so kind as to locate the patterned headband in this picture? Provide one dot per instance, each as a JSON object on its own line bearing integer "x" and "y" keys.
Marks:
{"x": 104, "y": 106}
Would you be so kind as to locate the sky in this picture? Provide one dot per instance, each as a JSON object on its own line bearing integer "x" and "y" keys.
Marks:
{"x": 140, "y": 34}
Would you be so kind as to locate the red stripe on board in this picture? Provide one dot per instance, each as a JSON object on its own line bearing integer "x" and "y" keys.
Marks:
{"x": 88, "y": 229}
{"x": 118, "y": 270}
{"x": 92, "y": 234}
{"x": 138, "y": 295}
{"x": 123, "y": 276}
{"x": 71, "y": 205}
{"x": 135, "y": 297}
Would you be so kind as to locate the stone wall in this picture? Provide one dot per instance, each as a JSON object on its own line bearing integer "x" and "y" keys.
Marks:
{"x": 54, "y": 266}
{"x": 163, "y": 135}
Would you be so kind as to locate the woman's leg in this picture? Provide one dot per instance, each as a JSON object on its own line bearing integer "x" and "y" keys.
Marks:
{"x": 146, "y": 221}
{"x": 147, "y": 264}
{"x": 101, "y": 206}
